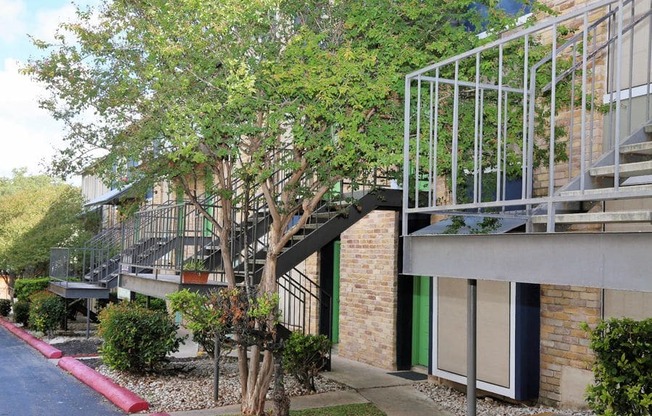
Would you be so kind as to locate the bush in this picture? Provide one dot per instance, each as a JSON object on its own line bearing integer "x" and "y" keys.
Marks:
{"x": 154, "y": 303}
{"x": 304, "y": 356}
{"x": 21, "y": 312}
{"x": 202, "y": 314}
{"x": 5, "y": 307}
{"x": 623, "y": 364}
{"x": 136, "y": 338}
{"x": 46, "y": 311}
{"x": 25, "y": 287}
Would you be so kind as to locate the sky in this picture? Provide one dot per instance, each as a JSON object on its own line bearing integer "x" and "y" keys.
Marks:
{"x": 28, "y": 134}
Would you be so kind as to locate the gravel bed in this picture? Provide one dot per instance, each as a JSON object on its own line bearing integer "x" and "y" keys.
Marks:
{"x": 454, "y": 402}
{"x": 187, "y": 384}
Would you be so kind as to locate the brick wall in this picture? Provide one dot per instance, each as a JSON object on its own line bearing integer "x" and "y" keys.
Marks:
{"x": 368, "y": 290}
{"x": 566, "y": 358}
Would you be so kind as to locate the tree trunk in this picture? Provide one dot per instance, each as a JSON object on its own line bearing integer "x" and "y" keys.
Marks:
{"x": 281, "y": 401}
{"x": 253, "y": 403}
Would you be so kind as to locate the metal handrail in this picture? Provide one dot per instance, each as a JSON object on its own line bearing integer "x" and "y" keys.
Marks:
{"x": 300, "y": 296}
{"x": 514, "y": 113}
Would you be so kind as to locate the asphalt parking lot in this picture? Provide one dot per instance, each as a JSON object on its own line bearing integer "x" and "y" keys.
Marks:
{"x": 32, "y": 385}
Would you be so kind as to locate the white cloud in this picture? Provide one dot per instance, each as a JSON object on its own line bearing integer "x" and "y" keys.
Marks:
{"x": 28, "y": 134}
{"x": 47, "y": 21}
{"x": 12, "y": 23}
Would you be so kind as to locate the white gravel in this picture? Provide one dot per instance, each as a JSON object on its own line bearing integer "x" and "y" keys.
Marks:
{"x": 188, "y": 385}
{"x": 454, "y": 402}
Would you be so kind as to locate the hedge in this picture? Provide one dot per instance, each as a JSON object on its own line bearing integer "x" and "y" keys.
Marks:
{"x": 25, "y": 287}
{"x": 623, "y": 354}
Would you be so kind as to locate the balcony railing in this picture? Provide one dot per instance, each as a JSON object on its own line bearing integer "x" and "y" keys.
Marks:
{"x": 538, "y": 105}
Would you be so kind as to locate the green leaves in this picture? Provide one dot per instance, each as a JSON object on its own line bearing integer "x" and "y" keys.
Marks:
{"x": 623, "y": 350}
{"x": 37, "y": 213}
{"x": 304, "y": 356}
{"x": 135, "y": 338}
{"x": 228, "y": 311}
{"x": 46, "y": 311}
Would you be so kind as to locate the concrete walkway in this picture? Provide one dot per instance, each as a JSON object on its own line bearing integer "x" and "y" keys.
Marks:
{"x": 392, "y": 394}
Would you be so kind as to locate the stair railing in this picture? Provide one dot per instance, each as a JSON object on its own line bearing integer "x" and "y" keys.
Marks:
{"x": 526, "y": 106}
{"x": 302, "y": 302}
{"x": 160, "y": 239}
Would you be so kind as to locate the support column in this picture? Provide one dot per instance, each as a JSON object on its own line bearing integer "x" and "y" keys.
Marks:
{"x": 471, "y": 353}
{"x": 88, "y": 318}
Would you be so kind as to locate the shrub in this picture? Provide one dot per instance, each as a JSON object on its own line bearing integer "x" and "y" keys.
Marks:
{"x": 46, "y": 311}
{"x": 203, "y": 316}
{"x": 304, "y": 356}
{"x": 21, "y": 312}
{"x": 623, "y": 364}
{"x": 25, "y": 287}
{"x": 136, "y": 338}
{"x": 5, "y": 307}
{"x": 154, "y": 303}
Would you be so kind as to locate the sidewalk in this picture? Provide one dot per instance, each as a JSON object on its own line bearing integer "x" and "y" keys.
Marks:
{"x": 392, "y": 394}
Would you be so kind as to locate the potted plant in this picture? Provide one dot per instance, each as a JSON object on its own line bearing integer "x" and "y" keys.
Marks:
{"x": 194, "y": 271}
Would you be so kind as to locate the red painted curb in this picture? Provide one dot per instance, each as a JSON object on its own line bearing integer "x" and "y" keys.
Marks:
{"x": 121, "y": 397}
{"x": 43, "y": 347}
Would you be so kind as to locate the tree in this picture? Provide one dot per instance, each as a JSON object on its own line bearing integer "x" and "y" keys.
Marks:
{"x": 278, "y": 98}
{"x": 36, "y": 213}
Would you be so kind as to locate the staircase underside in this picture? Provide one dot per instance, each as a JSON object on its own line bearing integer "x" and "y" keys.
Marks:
{"x": 78, "y": 290}
{"x": 602, "y": 260}
{"x": 379, "y": 199}
{"x": 161, "y": 285}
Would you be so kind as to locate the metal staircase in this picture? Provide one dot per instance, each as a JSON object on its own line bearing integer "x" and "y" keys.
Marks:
{"x": 634, "y": 181}
{"x": 332, "y": 217}
{"x": 564, "y": 106}
{"x": 159, "y": 239}
{"x": 90, "y": 271}
{"x": 301, "y": 297}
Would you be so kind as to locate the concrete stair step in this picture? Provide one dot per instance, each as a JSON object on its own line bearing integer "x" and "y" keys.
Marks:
{"x": 638, "y": 180}
{"x": 597, "y": 217}
{"x": 626, "y": 169}
{"x": 601, "y": 191}
{"x": 324, "y": 214}
{"x": 644, "y": 148}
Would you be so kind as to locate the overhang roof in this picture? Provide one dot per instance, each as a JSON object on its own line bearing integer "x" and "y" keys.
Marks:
{"x": 108, "y": 198}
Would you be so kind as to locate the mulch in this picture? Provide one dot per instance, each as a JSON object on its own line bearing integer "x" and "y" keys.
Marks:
{"x": 79, "y": 347}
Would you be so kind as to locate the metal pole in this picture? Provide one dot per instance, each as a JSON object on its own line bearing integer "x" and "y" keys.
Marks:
{"x": 88, "y": 318}
{"x": 471, "y": 326}
{"x": 216, "y": 370}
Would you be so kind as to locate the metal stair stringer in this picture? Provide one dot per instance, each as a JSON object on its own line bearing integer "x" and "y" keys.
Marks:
{"x": 377, "y": 199}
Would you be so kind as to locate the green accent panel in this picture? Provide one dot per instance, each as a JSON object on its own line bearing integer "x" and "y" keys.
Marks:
{"x": 334, "y": 193}
{"x": 208, "y": 186}
{"x": 424, "y": 183}
{"x": 420, "y": 320}
{"x": 181, "y": 226}
{"x": 336, "y": 293}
